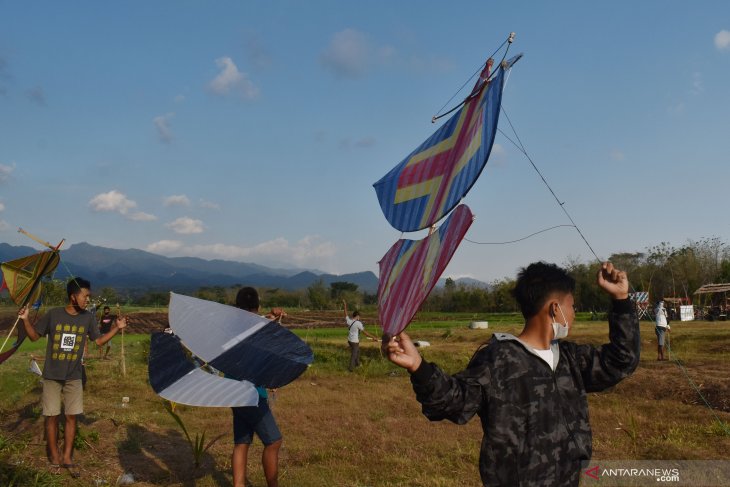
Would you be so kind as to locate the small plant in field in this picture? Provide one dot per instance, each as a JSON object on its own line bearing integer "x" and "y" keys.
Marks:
{"x": 632, "y": 430}
{"x": 719, "y": 428}
{"x": 22, "y": 476}
{"x": 198, "y": 445}
{"x": 81, "y": 440}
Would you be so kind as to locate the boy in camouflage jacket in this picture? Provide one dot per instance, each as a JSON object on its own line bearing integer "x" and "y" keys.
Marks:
{"x": 530, "y": 390}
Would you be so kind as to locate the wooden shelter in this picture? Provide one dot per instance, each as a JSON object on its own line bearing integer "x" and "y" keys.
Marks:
{"x": 714, "y": 301}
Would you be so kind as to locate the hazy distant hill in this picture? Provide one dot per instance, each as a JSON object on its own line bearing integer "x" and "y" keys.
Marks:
{"x": 134, "y": 269}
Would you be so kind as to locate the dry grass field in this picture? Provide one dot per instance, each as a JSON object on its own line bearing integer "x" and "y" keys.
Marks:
{"x": 362, "y": 428}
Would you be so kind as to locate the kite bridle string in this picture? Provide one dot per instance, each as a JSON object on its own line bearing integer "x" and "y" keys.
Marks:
{"x": 479, "y": 69}
{"x": 519, "y": 239}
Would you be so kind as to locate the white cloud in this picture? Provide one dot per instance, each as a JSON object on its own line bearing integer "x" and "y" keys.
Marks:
{"x": 232, "y": 81}
{"x": 309, "y": 251}
{"x": 348, "y": 54}
{"x": 112, "y": 201}
{"x": 179, "y": 98}
{"x": 3, "y": 225}
{"x": 176, "y": 200}
{"x": 185, "y": 225}
{"x": 722, "y": 40}
{"x": 209, "y": 205}
{"x": 6, "y": 171}
{"x": 2, "y": 207}
{"x": 162, "y": 123}
{"x": 117, "y": 202}
{"x": 165, "y": 247}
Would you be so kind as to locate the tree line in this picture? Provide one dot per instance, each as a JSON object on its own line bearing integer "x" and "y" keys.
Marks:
{"x": 662, "y": 270}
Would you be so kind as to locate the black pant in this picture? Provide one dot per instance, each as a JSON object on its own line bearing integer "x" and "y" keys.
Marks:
{"x": 354, "y": 355}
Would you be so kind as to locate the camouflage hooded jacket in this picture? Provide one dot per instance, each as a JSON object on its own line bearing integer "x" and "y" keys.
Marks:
{"x": 535, "y": 421}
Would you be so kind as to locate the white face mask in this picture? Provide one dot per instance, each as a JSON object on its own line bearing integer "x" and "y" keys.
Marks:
{"x": 560, "y": 330}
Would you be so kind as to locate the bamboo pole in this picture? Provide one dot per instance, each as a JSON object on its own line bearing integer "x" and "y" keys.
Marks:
{"x": 124, "y": 362}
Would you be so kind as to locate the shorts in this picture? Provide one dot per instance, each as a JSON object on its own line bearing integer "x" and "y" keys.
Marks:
{"x": 255, "y": 419}
{"x": 73, "y": 397}
{"x": 660, "y": 331}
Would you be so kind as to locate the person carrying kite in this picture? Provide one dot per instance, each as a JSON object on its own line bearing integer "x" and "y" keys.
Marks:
{"x": 67, "y": 329}
{"x": 530, "y": 391}
{"x": 255, "y": 419}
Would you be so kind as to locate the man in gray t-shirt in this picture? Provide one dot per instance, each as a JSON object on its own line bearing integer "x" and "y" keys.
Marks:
{"x": 67, "y": 330}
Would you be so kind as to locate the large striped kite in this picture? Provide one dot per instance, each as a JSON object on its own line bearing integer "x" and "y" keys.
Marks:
{"x": 426, "y": 186}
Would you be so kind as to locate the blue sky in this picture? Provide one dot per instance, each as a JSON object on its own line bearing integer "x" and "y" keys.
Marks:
{"x": 253, "y": 131}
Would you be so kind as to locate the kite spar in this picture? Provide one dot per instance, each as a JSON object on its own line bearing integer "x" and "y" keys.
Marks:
{"x": 124, "y": 361}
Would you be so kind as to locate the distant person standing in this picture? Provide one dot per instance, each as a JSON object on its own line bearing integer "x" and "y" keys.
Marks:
{"x": 105, "y": 326}
{"x": 355, "y": 326}
{"x": 662, "y": 327}
{"x": 67, "y": 330}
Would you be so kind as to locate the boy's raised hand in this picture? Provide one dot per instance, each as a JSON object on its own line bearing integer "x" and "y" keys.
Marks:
{"x": 615, "y": 282}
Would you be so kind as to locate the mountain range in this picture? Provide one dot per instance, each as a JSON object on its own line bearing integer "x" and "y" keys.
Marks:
{"x": 136, "y": 270}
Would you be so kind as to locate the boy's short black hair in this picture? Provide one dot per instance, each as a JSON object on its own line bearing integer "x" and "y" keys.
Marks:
{"x": 356, "y": 313}
{"x": 536, "y": 282}
{"x": 107, "y": 308}
{"x": 247, "y": 299}
{"x": 75, "y": 285}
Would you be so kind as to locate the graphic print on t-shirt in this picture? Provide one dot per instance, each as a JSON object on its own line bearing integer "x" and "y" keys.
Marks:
{"x": 67, "y": 342}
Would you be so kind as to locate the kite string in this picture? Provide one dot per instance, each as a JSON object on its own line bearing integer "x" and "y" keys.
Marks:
{"x": 519, "y": 239}
{"x": 678, "y": 362}
{"x": 522, "y": 149}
